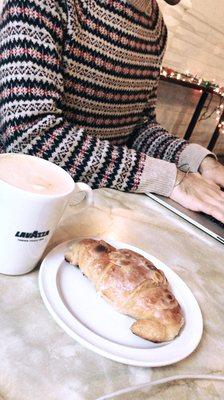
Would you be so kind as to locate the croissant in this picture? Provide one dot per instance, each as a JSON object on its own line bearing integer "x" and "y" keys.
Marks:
{"x": 132, "y": 285}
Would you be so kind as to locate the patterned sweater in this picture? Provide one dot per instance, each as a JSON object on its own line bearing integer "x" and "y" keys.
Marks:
{"x": 78, "y": 87}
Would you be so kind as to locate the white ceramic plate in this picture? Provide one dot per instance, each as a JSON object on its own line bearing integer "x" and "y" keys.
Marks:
{"x": 74, "y": 304}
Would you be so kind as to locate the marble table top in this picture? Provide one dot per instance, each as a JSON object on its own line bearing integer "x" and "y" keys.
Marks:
{"x": 40, "y": 361}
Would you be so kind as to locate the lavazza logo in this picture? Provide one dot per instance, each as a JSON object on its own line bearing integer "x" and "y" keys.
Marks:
{"x": 31, "y": 236}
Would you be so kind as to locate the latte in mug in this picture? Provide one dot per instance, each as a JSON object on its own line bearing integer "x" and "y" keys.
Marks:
{"x": 28, "y": 173}
{"x": 33, "y": 196}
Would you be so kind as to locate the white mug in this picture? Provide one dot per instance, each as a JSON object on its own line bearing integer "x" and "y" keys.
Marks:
{"x": 28, "y": 219}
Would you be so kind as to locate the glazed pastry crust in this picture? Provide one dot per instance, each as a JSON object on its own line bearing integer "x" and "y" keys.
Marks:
{"x": 132, "y": 285}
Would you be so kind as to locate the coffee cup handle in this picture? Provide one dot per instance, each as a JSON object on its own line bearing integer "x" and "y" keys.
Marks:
{"x": 81, "y": 198}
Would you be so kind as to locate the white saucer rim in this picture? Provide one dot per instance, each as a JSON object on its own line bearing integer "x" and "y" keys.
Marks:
{"x": 108, "y": 354}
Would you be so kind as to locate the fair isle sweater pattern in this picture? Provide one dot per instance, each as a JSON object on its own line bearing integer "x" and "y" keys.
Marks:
{"x": 78, "y": 87}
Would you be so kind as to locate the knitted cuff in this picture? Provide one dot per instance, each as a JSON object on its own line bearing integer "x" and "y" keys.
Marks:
{"x": 158, "y": 177}
{"x": 192, "y": 156}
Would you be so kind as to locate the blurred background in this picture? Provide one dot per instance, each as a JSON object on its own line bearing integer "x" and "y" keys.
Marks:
{"x": 196, "y": 46}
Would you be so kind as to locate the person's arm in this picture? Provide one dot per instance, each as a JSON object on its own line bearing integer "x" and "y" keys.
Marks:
{"x": 155, "y": 141}
{"x": 32, "y": 118}
{"x": 197, "y": 191}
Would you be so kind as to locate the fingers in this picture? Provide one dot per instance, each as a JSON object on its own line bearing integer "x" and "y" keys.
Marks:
{"x": 215, "y": 174}
{"x": 195, "y": 193}
{"x": 212, "y": 183}
{"x": 219, "y": 177}
{"x": 217, "y": 181}
{"x": 214, "y": 196}
{"x": 213, "y": 208}
{"x": 213, "y": 203}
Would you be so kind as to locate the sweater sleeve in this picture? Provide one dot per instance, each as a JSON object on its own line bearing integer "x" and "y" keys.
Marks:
{"x": 156, "y": 142}
{"x": 31, "y": 106}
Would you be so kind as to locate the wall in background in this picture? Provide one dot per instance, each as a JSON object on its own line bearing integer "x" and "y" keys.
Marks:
{"x": 195, "y": 43}
{"x": 196, "y": 37}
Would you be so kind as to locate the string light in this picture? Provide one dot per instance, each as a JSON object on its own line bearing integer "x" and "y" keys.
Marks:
{"x": 201, "y": 83}
{"x": 197, "y": 80}
{"x": 221, "y": 127}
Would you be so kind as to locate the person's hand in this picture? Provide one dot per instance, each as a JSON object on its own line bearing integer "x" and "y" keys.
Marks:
{"x": 197, "y": 194}
{"x": 212, "y": 171}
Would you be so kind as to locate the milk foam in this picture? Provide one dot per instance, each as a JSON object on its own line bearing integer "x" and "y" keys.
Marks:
{"x": 32, "y": 174}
